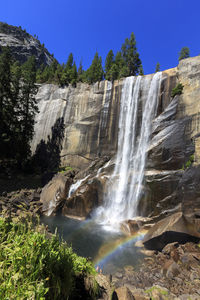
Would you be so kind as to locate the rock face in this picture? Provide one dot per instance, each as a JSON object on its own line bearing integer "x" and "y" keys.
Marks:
{"x": 23, "y": 45}
{"x": 91, "y": 114}
{"x": 175, "y": 228}
{"x": 55, "y": 192}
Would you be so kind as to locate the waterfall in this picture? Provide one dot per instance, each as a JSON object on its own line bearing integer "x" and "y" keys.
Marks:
{"x": 125, "y": 184}
{"x": 76, "y": 185}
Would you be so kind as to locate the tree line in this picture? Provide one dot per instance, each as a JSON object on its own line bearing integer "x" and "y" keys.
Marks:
{"x": 125, "y": 63}
{"x": 17, "y": 107}
{"x": 18, "y": 87}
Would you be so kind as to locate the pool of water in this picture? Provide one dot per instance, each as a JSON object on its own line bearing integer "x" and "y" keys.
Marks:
{"x": 110, "y": 250}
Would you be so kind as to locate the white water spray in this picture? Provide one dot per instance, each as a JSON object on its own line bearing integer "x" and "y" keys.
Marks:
{"x": 125, "y": 184}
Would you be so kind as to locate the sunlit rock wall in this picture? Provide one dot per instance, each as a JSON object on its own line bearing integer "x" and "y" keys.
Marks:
{"x": 90, "y": 115}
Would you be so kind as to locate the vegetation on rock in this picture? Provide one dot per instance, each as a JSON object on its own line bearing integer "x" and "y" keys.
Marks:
{"x": 157, "y": 67}
{"x": 177, "y": 90}
{"x": 125, "y": 63}
{"x": 184, "y": 53}
{"x": 36, "y": 267}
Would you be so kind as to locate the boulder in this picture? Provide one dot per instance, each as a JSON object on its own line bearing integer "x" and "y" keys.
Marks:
{"x": 87, "y": 197}
{"x": 175, "y": 228}
{"x": 123, "y": 293}
{"x": 133, "y": 225}
{"x": 55, "y": 192}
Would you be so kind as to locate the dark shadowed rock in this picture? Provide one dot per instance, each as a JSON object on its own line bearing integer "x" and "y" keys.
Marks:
{"x": 175, "y": 228}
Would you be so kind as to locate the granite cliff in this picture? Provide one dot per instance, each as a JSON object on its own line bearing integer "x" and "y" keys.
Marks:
{"x": 23, "y": 45}
{"x": 91, "y": 113}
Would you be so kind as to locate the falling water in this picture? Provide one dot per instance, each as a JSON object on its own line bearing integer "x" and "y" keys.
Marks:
{"x": 75, "y": 186}
{"x": 125, "y": 184}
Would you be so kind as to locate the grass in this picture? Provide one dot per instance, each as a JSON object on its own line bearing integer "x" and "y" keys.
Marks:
{"x": 36, "y": 267}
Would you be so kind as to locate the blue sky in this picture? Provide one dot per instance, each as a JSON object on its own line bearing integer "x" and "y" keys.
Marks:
{"x": 161, "y": 27}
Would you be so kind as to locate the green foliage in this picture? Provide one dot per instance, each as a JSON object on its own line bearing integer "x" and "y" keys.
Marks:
{"x": 65, "y": 169}
{"x": 157, "y": 67}
{"x": 17, "y": 106}
{"x": 108, "y": 65}
{"x": 95, "y": 71}
{"x": 80, "y": 72}
{"x": 177, "y": 90}
{"x": 34, "y": 267}
{"x": 184, "y": 53}
{"x": 189, "y": 162}
{"x": 125, "y": 63}
{"x": 141, "y": 71}
{"x": 131, "y": 56}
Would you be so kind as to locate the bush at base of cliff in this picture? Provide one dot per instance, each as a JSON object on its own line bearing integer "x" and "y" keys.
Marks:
{"x": 35, "y": 267}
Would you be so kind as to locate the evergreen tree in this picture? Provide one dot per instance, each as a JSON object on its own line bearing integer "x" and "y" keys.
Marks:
{"x": 141, "y": 71}
{"x": 7, "y": 110}
{"x": 118, "y": 67}
{"x": 157, "y": 67}
{"x": 108, "y": 65}
{"x": 80, "y": 72}
{"x": 131, "y": 56}
{"x": 67, "y": 75}
{"x": 184, "y": 53}
{"x": 70, "y": 61}
{"x": 27, "y": 108}
{"x": 17, "y": 107}
{"x": 114, "y": 72}
{"x": 74, "y": 75}
{"x": 59, "y": 75}
{"x": 52, "y": 71}
{"x": 95, "y": 71}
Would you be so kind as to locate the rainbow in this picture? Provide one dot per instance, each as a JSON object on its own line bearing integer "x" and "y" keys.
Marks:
{"x": 110, "y": 249}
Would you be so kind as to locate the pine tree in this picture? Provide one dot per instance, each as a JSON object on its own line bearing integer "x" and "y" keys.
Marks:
{"x": 141, "y": 71}
{"x": 80, "y": 72}
{"x": 59, "y": 75}
{"x": 157, "y": 67}
{"x": 108, "y": 65}
{"x": 67, "y": 75}
{"x": 131, "y": 56}
{"x": 184, "y": 53}
{"x": 74, "y": 75}
{"x": 7, "y": 109}
{"x": 27, "y": 109}
{"x": 95, "y": 71}
{"x": 70, "y": 61}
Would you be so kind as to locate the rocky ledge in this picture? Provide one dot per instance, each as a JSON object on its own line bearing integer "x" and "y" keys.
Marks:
{"x": 21, "y": 203}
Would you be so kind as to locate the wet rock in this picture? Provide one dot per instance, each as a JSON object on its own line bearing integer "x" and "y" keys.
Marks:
{"x": 55, "y": 192}
{"x": 175, "y": 228}
{"x": 134, "y": 225}
{"x": 87, "y": 197}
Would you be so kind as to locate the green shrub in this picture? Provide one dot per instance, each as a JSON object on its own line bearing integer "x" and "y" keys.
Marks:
{"x": 35, "y": 267}
{"x": 65, "y": 169}
{"x": 177, "y": 90}
{"x": 189, "y": 162}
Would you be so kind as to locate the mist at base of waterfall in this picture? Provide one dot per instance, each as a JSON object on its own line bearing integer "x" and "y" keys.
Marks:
{"x": 109, "y": 250}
